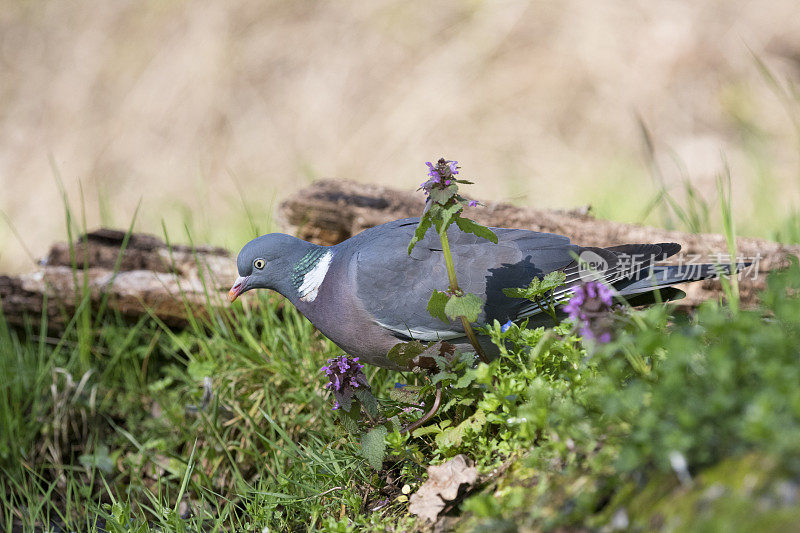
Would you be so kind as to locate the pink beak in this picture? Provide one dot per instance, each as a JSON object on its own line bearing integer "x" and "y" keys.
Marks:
{"x": 238, "y": 288}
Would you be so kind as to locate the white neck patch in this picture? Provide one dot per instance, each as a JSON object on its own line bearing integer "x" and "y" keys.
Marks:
{"x": 313, "y": 278}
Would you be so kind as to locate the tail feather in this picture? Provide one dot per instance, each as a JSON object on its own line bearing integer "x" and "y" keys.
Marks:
{"x": 650, "y": 284}
{"x": 661, "y": 276}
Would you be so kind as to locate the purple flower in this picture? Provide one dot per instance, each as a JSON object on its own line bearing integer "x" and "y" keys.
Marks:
{"x": 441, "y": 175}
{"x": 505, "y": 326}
{"x": 345, "y": 376}
{"x": 472, "y": 203}
{"x": 590, "y": 306}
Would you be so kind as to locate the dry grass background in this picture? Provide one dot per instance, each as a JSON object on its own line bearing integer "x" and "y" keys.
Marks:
{"x": 174, "y": 103}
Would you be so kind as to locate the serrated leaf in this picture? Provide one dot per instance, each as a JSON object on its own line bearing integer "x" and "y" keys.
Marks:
{"x": 553, "y": 280}
{"x": 368, "y": 401}
{"x": 470, "y": 226}
{"x": 442, "y": 363}
{"x": 419, "y": 233}
{"x": 346, "y": 402}
{"x": 373, "y": 446}
{"x": 442, "y": 196}
{"x": 468, "y": 306}
{"x": 350, "y": 420}
{"x": 538, "y": 287}
{"x": 437, "y": 304}
{"x": 403, "y": 352}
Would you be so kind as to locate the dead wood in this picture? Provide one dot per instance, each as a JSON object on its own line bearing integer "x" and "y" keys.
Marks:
{"x": 144, "y": 276}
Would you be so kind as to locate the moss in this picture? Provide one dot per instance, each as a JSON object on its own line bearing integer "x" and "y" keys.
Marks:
{"x": 738, "y": 494}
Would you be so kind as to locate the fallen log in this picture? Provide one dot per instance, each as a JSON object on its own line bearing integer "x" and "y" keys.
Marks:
{"x": 143, "y": 274}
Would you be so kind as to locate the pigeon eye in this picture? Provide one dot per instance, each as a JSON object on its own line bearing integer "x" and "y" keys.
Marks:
{"x": 259, "y": 263}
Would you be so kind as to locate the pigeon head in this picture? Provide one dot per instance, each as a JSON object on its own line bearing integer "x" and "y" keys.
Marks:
{"x": 264, "y": 262}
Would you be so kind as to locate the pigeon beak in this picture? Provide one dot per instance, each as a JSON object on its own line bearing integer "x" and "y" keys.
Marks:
{"x": 238, "y": 288}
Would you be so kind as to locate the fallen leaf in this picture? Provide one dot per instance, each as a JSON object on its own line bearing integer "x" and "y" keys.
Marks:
{"x": 444, "y": 482}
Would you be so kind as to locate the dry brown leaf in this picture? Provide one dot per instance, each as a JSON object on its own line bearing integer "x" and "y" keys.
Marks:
{"x": 442, "y": 486}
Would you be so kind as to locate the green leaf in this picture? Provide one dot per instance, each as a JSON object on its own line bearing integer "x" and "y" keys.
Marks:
{"x": 446, "y": 216}
{"x": 346, "y": 403}
{"x": 442, "y": 375}
{"x": 373, "y": 446}
{"x": 517, "y": 292}
{"x": 455, "y": 435}
{"x": 425, "y": 430}
{"x": 368, "y": 401}
{"x": 552, "y": 280}
{"x": 442, "y": 196}
{"x": 350, "y": 419}
{"x": 403, "y": 352}
{"x": 465, "y": 380}
{"x": 470, "y": 226}
{"x": 419, "y": 233}
{"x": 437, "y": 304}
{"x": 468, "y": 306}
{"x": 538, "y": 287}
{"x": 394, "y": 424}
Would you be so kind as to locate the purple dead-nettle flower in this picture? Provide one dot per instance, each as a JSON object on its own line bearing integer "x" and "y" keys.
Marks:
{"x": 590, "y": 306}
{"x": 345, "y": 377}
{"x": 441, "y": 175}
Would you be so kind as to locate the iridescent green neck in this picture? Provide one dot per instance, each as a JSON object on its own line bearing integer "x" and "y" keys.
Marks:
{"x": 305, "y": 265}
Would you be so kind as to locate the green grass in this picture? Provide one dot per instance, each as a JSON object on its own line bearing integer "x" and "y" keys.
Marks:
{"x": 134, "y": 432}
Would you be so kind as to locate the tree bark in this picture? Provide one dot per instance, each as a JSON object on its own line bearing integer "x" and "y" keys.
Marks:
{"x": 146, "y": 276}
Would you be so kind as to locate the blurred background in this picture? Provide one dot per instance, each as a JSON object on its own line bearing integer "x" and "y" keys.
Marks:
{"x": 196, "y": 110}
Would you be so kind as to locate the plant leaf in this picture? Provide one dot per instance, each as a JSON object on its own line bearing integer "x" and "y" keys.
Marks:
{"x": 538, "y": 287}
{"x": 470, "y": 226}
{"x": 419, "y": 233}
{"x": 369, "y": 402}
{"x": 446, "y": 216}
{"x": 403, "y": 352}
{"x": 437, "y": 304}
{"x": 442, "y": 196}
{"x": 350, "y": 420}
{"x": 468, "y": 306}
{"x": 373, "y": 446}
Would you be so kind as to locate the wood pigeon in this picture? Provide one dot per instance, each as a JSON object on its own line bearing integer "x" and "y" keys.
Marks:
{"x": 367, "y": 293}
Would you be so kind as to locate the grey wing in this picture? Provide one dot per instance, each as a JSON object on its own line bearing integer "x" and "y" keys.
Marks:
{"x": 394, "y": 288}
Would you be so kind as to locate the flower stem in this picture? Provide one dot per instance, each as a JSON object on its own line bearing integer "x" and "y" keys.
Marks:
{"x": 448, "y": 261}
{"x": 454, "y": 290}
